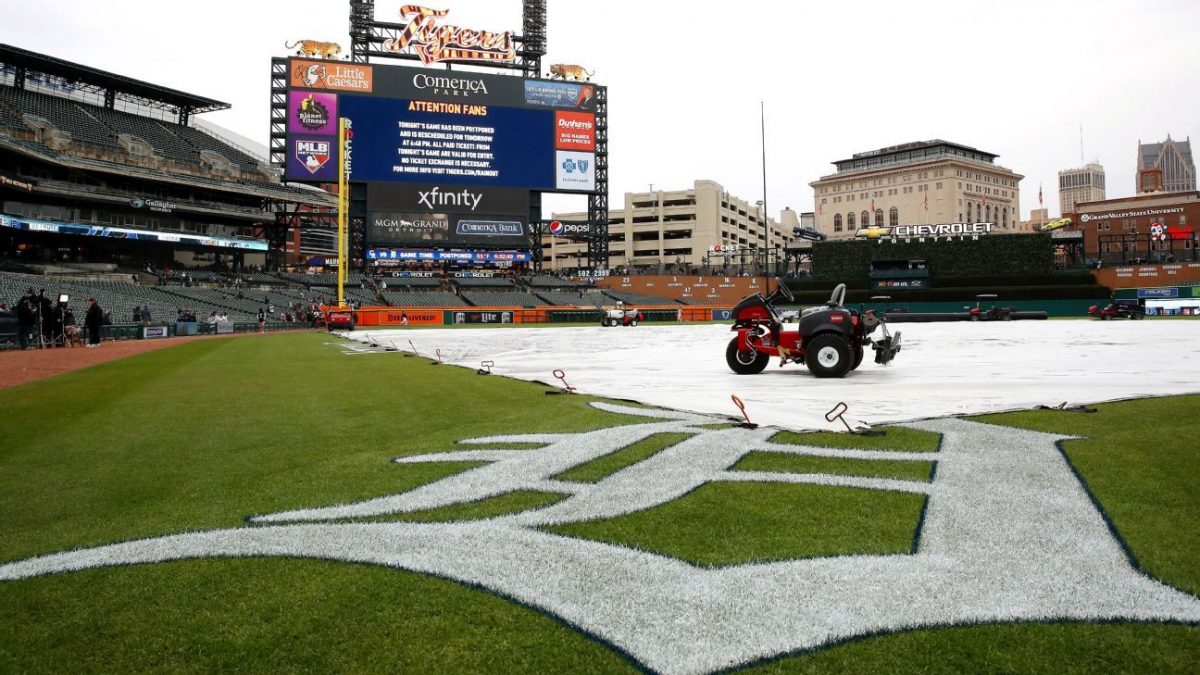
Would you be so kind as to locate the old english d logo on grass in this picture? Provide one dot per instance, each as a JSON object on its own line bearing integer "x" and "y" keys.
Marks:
{"x": 1009, "y": 534}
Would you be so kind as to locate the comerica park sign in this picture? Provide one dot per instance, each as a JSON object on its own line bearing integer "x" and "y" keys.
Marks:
{"x": 943, "y": 231}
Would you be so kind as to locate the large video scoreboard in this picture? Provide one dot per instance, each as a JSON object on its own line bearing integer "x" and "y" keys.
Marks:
{"x": 448, "y": 157}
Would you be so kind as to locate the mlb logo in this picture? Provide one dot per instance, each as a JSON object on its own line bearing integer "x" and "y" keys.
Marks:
{"x": 313, "y": 154}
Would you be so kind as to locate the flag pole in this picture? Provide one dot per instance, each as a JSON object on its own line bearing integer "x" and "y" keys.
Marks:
{"x": 1041, "y": 208}
{"x": 762, "y": 109}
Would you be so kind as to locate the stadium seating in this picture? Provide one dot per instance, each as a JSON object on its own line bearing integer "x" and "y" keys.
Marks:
{"x": 203, "y": 141}
{"x": 102, "y": 127}
{"x": 323, "y": 279}
{"x": 10, "y": 120}
{"x": 502, "y": 299}
{"x": 640, "y": 299}
{"x": 547, "y": 281}
{"x": 580, "y": 298}
{"x": 699, "y": 300}
{"x": 119, "y": 298}
{"x": 483, "y": 282}
{"x": 65, "y": 115}
{"x": 213, "y": 292}
{"x": 164, "y": 142}
{"x": 410, "y": 282}
{"x": 397, "y": 298}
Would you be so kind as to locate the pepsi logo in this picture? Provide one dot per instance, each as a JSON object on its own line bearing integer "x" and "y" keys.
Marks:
{"x": 556, "y": 227}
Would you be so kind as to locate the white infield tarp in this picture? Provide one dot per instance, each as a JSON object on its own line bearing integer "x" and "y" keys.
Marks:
{"x": 943, "y": 369}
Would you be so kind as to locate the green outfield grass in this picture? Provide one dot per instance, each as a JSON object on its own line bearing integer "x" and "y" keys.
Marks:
{"x": 202, "y": 435}
{"x": 606, "y": 466}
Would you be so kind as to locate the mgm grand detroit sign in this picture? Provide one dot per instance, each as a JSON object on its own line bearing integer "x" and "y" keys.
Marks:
{"x": 921, "y": 233}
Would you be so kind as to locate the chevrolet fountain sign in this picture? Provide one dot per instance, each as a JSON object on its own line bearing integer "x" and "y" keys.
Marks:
{"x": 921, "y": 232}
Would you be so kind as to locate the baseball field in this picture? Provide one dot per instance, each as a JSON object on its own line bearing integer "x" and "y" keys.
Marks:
{"x": 281, "y": 503}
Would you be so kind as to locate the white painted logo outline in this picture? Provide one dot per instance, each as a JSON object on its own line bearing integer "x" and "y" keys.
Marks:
{"x": 1009, "y": 534}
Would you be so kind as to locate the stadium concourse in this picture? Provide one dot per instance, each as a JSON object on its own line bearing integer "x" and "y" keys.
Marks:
{"x": 943, "y": 369}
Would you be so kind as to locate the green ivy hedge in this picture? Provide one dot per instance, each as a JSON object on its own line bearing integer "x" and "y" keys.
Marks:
{"x": 963, "y": 293}
{"x": 996, "y": 256}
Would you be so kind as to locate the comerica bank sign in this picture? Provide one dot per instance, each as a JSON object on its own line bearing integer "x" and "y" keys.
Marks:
{"x": 944, "y": 232}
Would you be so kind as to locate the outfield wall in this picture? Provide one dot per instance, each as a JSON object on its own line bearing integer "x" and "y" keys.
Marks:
{"x": 1147, "y": 276}
{"x": 1055, "y": 308}
{"x": 372, "y": 317}
{"x": 453, "y": 316}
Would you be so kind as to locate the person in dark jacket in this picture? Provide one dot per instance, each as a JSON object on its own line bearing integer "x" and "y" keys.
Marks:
{"x": 26, "y": 318}
{"x": 93, "y": 320}
{"x": 46, "y": 314}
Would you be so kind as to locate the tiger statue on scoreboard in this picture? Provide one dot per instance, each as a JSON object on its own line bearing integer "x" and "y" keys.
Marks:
{"x": 315, "y": 48}
{"x": 568, "y": 71}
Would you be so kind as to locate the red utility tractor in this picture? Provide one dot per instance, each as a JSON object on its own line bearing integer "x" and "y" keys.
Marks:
{"x": 1118, "y": 310}
{"x": 830, "y": 339}
{"x": 339, "y": 319}
{"x": 992, "y": 312}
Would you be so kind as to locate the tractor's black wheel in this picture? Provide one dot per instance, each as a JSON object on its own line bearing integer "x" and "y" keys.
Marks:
{"x": 633, "y": 322}
{"x": 858, "y": 357}
{"x": 974, "y": 317}
{"x": 828, "y": 355}
{"x": 745, "y": 362}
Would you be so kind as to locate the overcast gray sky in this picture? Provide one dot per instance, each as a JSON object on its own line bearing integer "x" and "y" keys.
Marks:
{"x": 1015, "y": 78}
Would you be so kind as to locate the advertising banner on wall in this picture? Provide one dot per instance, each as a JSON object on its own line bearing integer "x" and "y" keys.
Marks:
{"x": 459, "y": 143}
{"x": 419, "y": 125}
{"x": 575, "y": 131}
{"x": 566, "y": 229}
{"x": 31, "y": 225}
{"x": 1158, "y": 293}
{"x": 312, "y": 158}
{"x": 447, "y": 198}
{"x": 478, "y": 317}
{"x": 393, "y": 256}
{"x": 445, "y": 229}
{"x": 311, "y": 112}
{"x": 898, "y": 284}
{"x": 331, "y": 75}
{"x": 428, "y": 214}
{"x": 416, "y": 317}
{"x": 552, "y": 94}
{"x": 575, "y": 171}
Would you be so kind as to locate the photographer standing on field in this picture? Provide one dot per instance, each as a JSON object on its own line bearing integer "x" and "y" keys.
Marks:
{"x": 93, "y": 320}
{"x": 26, "y": 318}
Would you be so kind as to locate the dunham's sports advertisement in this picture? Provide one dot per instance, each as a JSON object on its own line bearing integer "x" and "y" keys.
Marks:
{"x": 421, "y": 125}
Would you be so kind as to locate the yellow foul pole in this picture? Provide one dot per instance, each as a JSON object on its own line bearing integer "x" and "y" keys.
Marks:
{"x": 343, "y": 204}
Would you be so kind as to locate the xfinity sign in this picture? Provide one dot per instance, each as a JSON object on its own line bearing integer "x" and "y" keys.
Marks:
{"x": 440, "y": 198}
{"x": 437, "y": 198}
